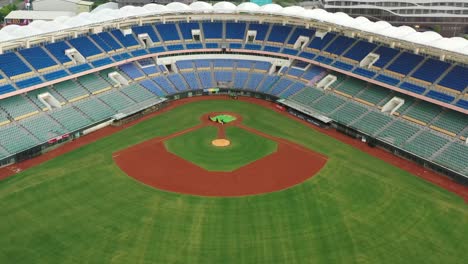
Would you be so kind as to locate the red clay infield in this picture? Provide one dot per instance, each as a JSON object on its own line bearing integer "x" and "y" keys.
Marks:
{"x": 150, "y": 163}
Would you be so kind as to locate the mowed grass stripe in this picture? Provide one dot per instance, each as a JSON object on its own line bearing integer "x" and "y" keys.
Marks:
{"x": 196, "y": 147}
{"x": 81, "y": 208}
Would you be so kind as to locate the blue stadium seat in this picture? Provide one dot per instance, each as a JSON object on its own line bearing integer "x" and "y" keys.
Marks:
{"x": 300, "y": 32}
{"x": 386, "y": 79}
{"x": 431, "y": 70}
{"x": 261, "y": 30}
{"x": 386, "y": 55}
{"x": 186, "y": 29}
{"x": 223, "y": 76}
{"x": 131, "y": 70}
{"x": 323, "y": 59}
{"x": 194, "y": 46}
{"x": 126, "y": 40}
{"x": 456, "y": 79}
{"x": 109, "y": 40}
{"x": 55, "y": 75}
{"x": 212, "y": 45}
{"x": 360, "y": 50}
{"x": 279, "y": 33}
{"x": 339, "y": 45}
{"x": 235, "y": 30}
{"x": 206, "y": 79}
{"x": 101, "y": 43}
{"x": 164, "y": 84}
{"x": 6, "y": 89}
{"x": 412, "y": 87}
{"x": 222, "y": 63}
{"x": 186, "y": 64}
{"x": 239, "y": 79}
{"x": 58, "y": 50}
{"x": 235, "y": 45}
{"x": 28, "y": 82}
{"x": 148, "y": 30}
{"x": 79, "y": 68}
{"x": 343, "y": 65}
{"x": 175, "y": 47}
{"x": 307, "y": 55}
{"x": 319, "y": 43}
{"x": 168, "y": 32}
{"x": 405, "y": 63}
{"x": 364, "y": 72}
{"x": 12, "y": 65}
{"x": 244, "y": 64}
{"x": 178, "y": 81}
{"x": 262, "y": 65}
{"x": 271, "y": 49}
{"x": 85, "y": 46}
{"x": 212, "y": 30}
{"x": 157, "y": 49}
{"x": 254, "y": 81}
{"x": 38, "y": 58}
{"x": 202, "y": 64}
{"x": 191, "y": 79}
{"x": 280, "y": 86}
{"x": 462, "y": 103}
{"x": 293, "y": 89}
{"x": 440, "y": 96}
{"x": 312, "y": 72}
{"x": 289, "y": 51}
{"x": 295, "y": 72}
{"x": 152, "y": 87}
{"x": 253, "y": 46}
{"x": 101, "y": 62}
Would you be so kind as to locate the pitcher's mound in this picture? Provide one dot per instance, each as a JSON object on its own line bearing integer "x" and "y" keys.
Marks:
{"x": 220, "y": 142}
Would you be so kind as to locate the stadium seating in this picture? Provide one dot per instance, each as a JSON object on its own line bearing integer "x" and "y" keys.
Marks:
{"x": 261, "y": 30}
{"x": 398, "y": 132}
{"x": 279, "y": 33}
{"x": 186, "y": 29}
{"x": 70, "y": 118}
{"x": 146, "y": 29}
{"x": 373, "y": 122}
{"x": 349, "y": 113}
{"x": 153, "y": 87}
{"x": 405, "y": 63}
{"x": 451, "y": 121}
{"x": 116, "y": 100}
{"x": 212, "y": 30}
{"x": 13, "y": 66}
{"x": 95, "y": 109}
{"x": 320, "y": 43}
{"x": 386, "y": 54}
{"x": 235, "y": 30}
{"x": 85, "y": 46}
{"x": 454, "y": 156}
{"x": 328, "y": 103}
{"x": 424, "y": 111}
{"x": 109, "y": 40}
{"x": 137, "y": 93}
{"x": 431, "y": 70}
{"x": 93, "y": 83}
{"x": 38, "y": 58}
{"x": 132, "y": 71}
{"x": 339, "y": 45}
{"x": 18, "y": 106}
{"x": 70, "y": 90}
{"x": 360, "y": 50}
{"x": 373, "y": 94}
{"x": 178, "y": 82}
{"x": 43, "y": 127}
{"x": 128, "y": 41}
{"x": 426, "y": 144}
{"x": 15, "y": 139}
{"x": 299, "y": 31}
{"x": 168, "y": 32}
{"x": 456, "y": 79}
{"x": 58, "y": 50}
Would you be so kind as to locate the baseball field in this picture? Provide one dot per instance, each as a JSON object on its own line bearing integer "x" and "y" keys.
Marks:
{"x": 82, "y": 207}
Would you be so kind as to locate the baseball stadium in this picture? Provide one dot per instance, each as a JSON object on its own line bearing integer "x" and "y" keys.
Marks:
{"x": 224, "y": 133}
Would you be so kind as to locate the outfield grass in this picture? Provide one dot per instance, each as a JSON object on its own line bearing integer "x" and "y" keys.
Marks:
{"x": 196, "y": 148}
{"x": 80, "y": 208}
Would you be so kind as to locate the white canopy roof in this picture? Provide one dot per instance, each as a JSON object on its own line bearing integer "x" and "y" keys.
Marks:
{"x": 109, "y": 12}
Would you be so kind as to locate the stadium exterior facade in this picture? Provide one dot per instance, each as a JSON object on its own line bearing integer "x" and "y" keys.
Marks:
{"x": 450, "y": 18}
{"x": 146, "y": 46}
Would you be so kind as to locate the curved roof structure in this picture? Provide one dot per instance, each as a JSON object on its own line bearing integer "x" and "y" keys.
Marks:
{"x": 109, "y": 13}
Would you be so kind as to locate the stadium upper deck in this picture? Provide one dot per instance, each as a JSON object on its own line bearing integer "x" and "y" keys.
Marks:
{"x": 422, "y": 65}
